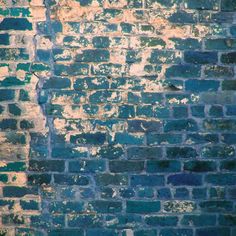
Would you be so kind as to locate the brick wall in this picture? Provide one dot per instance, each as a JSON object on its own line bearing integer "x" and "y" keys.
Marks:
{"x": 117, "y": 117}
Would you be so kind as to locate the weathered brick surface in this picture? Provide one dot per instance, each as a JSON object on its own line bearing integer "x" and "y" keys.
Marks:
{"x": 117, "y": 117}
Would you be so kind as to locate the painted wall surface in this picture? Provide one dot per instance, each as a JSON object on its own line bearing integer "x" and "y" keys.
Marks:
{"x": 117, "y": 117}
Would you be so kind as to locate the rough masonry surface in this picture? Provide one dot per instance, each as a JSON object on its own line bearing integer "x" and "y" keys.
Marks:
{"x": 117, "y": 117}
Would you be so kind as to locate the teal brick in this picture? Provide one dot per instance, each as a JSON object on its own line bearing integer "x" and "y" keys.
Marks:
{"x": 8, "y": 124}
{"x": 66, "y": 207}
{"x": 6, "y": 94}
{"x": 175, "y": 232}
{"x": 14, "y": 109}
{"x": 15, "y": 24}
{"x": 101, "y": 206}
{"x": 158, "y": 138}
{"x": 126, "y": 166}
{"x": 57, "y": 83}
{"x": 93, "y": 55}
{"x": 228, "y": 58}
{"x": 72, "y": 69}
{"x": 228, "y": 5}
{"x": 9, "y": 54}
{"x": 202, "y": 5}
{"x": 216, "y": 231}
{"x": 102, "y": 232}
{"x": 111, "y": 179}
{"x": 218, "y": 151}
{"x": 227, "y": 220}
{"x": 183, "y": 17}
{"x": 221, "y": 179}
{"x": 199, "y": 220}
{"x": 146, "y": 232}
{"x": 184, "y": 71}
{"x": 216, "y": 71}
{"x": 228, "y": 165}
{"x": 163, "y": 166}
{"x": 220, "y": 44}
{"x": 142, "y": 207}
{"x": 167, "y": 57}
{"x": 195, "y": 57}
{"x": 200, "y": 166}
{"x": 180, "y": 125}
{"x": 129, "y": 139}
{"x": 186, "y": 44}
{"x": 64, "y": 179}
{"x": 144, "y": 152}
{"x": 61, "y": 232}
{"x": 184, "y": 179}
{"x": 86, "y": 138}
{"x": 181, "y": 152}
{"x": 147, "y": 180}
{"x": 202, "y": 85}
{"x": 216, "y": 206}
{"x": 89, "y": 166}
{"x": 163, "y": 221}
{"x": 13, "y": 166}
{"x": 152, "y": 42}
{"x": 163, "y": 3}
{"x": 29, "y": 205}
{"x": 4, "y": 39}
{"x": 91, "y": 221}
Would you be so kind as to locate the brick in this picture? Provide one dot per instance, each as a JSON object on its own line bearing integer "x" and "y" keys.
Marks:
{"x": 142, "y": 207}
{"x": 126, "y": 166}
{"x": 4, "y": 39}
{"x": 9, "y": 54}
{"x": 101, "y": 232}
{"x": 201, "y": 85}
{"x": 98, "y": 55}
{"x": 216, "y": 231}
{"x": 47, "y": 165}
{"x": 228, "y": 5}
{"x": 111, "y": 179}
{"x": 170, "y": 232}
{"x": 199, "y": 220}
{"x": 15, "y": 191}
{"x": 183, "y": 71}
{"x": 200, "y": 166}
{"x": 202, "y": 5}
{"x": 163, "y": 166}
{"x": 181, "y": 152}
{"x": 162, "y": 220}
{"x": 86, "y": 138}
{"x": 228, "y": 58}
{"x": 71, "y": 179}
{"x": 72, "y": 232}
{"x": 180, "y": 125}
{"x": 15, "y": 24}
{"x": 7, "y": 95}
{"x": 105, "y": 206}
{"x": 184, "y": 179}
{"x": 144, "y": 152}
{"x": 147, "y": 180}
{"x": 156, "y": 139}
{"x": 87, "y": 166}
{"x": 220, "y": 179}
{"x": 216, "y": 206}
{"x": 200, "y": 57}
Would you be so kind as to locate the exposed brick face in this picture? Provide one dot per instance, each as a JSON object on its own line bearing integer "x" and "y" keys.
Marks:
{"x": 117, "y": 117}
